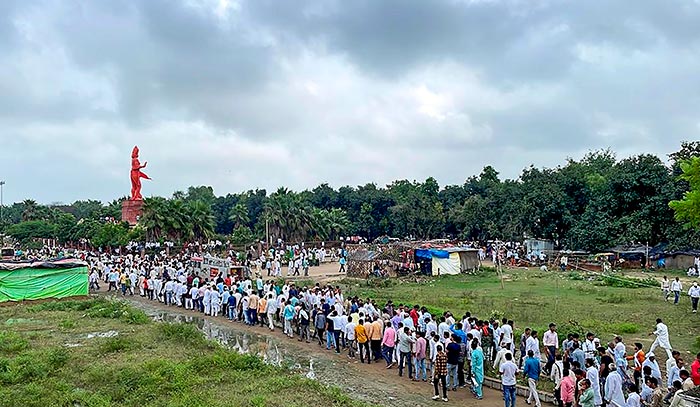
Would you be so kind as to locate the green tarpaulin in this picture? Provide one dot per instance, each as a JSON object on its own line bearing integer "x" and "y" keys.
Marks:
{"x": 35, "y": 283}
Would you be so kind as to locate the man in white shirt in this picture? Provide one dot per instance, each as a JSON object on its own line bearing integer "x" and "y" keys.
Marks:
{"x": 349, "y": 333}
{"x": 589, "y": 348}
{"x": 694, "y": 294}
{"x": 533, "y": 344}
{"x": 507, "y": 334}
{"x": 501, "y": 356}
{"x": 442, "y": 327}
{"x": 508, "y": 371}
{"x": 676, "y": 288}
{"x": 550, "y": 340}
{"x": 270, "y": 310}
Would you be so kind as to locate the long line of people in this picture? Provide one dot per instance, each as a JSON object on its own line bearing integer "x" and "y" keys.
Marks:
{"x": 447, "y": 351}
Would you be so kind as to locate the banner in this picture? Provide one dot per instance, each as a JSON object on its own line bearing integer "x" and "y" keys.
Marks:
{"x": 215, "y": 266}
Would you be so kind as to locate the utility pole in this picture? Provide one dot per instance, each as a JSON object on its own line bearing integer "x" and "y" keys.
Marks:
{"x": 2, "y": 222}
{"x": 2, "y": 183}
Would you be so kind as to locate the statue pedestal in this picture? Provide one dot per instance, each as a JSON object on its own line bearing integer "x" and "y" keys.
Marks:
{"x": 131, "y": 211}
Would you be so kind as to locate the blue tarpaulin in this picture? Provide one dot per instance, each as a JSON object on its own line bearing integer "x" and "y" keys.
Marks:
{"x": 430, "y": 253}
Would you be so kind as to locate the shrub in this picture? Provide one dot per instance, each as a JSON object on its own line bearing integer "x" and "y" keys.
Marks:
{"x": 97, "y": 308}
{"x": 625, "y": 282}
{"x": 57, "y": 357}
{"x": 116, "y": 344}
{"x": 11, "y": 342}
{"x": 184, "y": 334}
{"x": 613, "y": 298}
{"x": 627, "y": 328}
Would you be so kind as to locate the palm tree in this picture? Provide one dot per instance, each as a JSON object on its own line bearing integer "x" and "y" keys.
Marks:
{"x": 30, "y": 210}
{"x": 338, "y": 223}
{"x": 155, "y": 218}
{"x": 179, "y": 223}
{"x": 239, "y": 215}
{"x": 319, "y": 224}
{"x": 201, "y": 219}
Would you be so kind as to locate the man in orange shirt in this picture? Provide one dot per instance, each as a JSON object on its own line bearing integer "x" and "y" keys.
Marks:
{"x": 362, "y": 342}
{"x": 639, "y": 358}
{"x": 262, "y": 307}
{"x": 376, "y": 338}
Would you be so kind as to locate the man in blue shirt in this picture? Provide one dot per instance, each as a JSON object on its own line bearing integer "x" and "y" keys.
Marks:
{"x": 453, "y": 350}
{"x": 531, "y": 370}
{"x": 231, "y": 307}
{"x": 457, "y": 330}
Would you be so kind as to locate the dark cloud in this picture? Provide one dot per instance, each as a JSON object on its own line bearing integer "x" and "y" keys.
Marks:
{"x": 243, "y": 94}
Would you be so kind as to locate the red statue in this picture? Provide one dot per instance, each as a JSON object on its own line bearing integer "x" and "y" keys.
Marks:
{"x": 136, "y": 175}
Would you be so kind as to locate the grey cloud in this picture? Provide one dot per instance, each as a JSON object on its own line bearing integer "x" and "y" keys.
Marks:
{"x": 272, "y": 93}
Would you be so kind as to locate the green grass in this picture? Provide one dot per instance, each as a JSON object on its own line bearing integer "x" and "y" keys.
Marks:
{"x": 146, "y": 364}
{"x": 533, "y": 298}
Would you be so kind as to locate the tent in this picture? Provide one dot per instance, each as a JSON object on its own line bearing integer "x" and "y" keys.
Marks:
{"x": 450, "y": 260}
{"x": 35, "y": 280}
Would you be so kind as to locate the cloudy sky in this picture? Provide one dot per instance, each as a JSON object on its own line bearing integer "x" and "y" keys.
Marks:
{"x": 243, "y": 94}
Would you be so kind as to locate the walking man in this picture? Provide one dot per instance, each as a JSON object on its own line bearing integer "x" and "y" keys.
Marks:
{"x": 694, "y": 294}
{"x": 532, "y": 372}
{"x": 662, "y": 339}
{"x": 508, "y": 370}
{"x": 676, "y": 287}
{"x": 440, "y": 373}
{"x": 550, "y": 340}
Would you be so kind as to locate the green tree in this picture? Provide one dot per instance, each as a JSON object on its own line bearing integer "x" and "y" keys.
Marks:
{"x": 111, "y": 235}
{"x": 242, "y": 236}
{"x": 239, "y": 215}
{"x": 201, "y": 219}
{"x": 30, "y": 210}
{"x": 24, "y": 232}
{"x": 687, "y": 210}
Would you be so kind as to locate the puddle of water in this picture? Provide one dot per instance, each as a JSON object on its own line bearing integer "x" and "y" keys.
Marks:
{"x": 287, "y": 353}
{"x": 108, "y": 334}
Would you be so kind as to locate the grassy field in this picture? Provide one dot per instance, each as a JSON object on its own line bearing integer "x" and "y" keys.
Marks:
{"x": 48, "y": 358}
{"x": 576, "y": 302}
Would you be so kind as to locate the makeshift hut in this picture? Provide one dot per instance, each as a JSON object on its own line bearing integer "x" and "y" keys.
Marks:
{"x": 538, "y": 246}
{"x": 390, "y": 259}
{"x": 448, "y": 260}
{"x": 681, "y": 260}
{"x": 36, "y": 280}
{"x": 631, "y": 256}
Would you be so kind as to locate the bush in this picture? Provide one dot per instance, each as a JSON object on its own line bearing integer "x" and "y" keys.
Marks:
{"x": 11, "y": 342}
{"x": 116, "y": 344}
{"x": 97, "y": 308}
{"x": 57, "y": 357}
{"x": 613, "y": 298}
{"x": 627, "y": 328}
{"x": 183, "y": 334}
{"x": 118, "y": 310}
{"x": 625, "y": 282}
{"x": 576, "y": 276}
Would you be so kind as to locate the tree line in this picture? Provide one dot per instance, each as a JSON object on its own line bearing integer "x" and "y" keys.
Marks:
{"x": 591, "y": 204}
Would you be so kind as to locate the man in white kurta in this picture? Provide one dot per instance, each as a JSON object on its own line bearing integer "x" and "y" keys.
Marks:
{"x": 613, "y": 388}
{"x": 215, "y": 300}
{"x": 594, "y": 378}
{"x": 662, "y": 339}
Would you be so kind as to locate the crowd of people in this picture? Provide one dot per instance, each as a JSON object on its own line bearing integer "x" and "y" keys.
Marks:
{"x": 452, "y": 352}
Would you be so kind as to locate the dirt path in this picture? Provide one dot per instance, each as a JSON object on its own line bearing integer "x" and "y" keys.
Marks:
{"x": 372, "y": 383}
